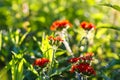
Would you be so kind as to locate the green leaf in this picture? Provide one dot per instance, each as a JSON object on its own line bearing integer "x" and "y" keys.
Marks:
{"x": 20, "y": 70}
{"x": 14, "y": 68}
{"x": 111, "y": 27}
{"x": 61, "y": 70}
{"x": 38, "y": 42}
{"x": 17, "y": 70}
{"x": 0, "y": 40}
{"x": 18, "y": 56}
{"x": 24, "y": 36}
{"x": 4, "y": 71}
{"x": 46, "y": 48}
{"x": 61, "y": 52}
{"x": 30, "y": 67}
{"x": 17, "y": 36}
{"x": 17, "y": 67}
{"x": 116, "y": 7}
{"x": 110, "y": 64}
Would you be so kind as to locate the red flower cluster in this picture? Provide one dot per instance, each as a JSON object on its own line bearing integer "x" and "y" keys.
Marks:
{"x": 40, "y": 62}
{"x": 58, "y": 25}
{"x": 74, "y": 60}
{"x": 87, "y": 26}
{"x": 82, "y": 64}
{"x": 58, "y": 38}
{"x": 83, "y": 68}
{"x": 88, "y": 56}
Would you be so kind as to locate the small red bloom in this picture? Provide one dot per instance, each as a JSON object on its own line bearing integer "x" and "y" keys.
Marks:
{"x": 50, "y": 37}
{"x": 57, "y": 38}
{"x": 87, "y": 26}
{"x": 83, "y": 58}
{"x": 73, "y": 60}
{"x": 86, "y": 57}
{"x": 73, "y": 68}
{"x": 60, "y": 25}
{"x": 83, "y": 68}
{"x": 40, "y": 62}
{"x": 89, "y": 56}
{"x": 84, "y": 24}
{"x": 91, "y": 25}
{"x": 90, "y": 70}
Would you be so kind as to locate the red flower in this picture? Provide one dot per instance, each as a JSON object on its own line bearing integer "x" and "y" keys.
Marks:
{"x": 50, "y": 37}
{"x": 58, "y": 38}
{"x": 82, "y": 64}
{"x": 90, "y": 54}
{"x": 87, "y": 26}
{"x": 83, "y": 68}
{"x": 73, "y": 68}
{"x": 73, "y": 60}
{"x": 40, "y": 62}
{"x": 86, "y": 57}
{"x": 84, "y": 24}
{"x": 60, "y": 25}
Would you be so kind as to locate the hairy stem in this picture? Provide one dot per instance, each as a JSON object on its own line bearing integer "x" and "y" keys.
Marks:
{"x": 68, "y": 47}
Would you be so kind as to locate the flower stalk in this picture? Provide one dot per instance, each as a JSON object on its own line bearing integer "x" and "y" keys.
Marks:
{"x": 63, "y": 34}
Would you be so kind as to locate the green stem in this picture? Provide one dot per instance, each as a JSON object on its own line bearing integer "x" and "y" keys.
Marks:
{"x": 78, "y": 76}
{"x": 84, "y": 42}
{"x": 63, "y": 34}
{"x": 46, "y": 76}
{"x": 53, "y": 60}
{"x": 53, "y": 57}
{"x": 85, "y": 77}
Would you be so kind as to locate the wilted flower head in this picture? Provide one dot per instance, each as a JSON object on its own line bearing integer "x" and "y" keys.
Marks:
{"x": 60, "y": 24}
{"x": 87, "y": 26}
{"x": 58, "y": 38}
{"x": 40, "y": 62}
{"x": 55, "y": 40}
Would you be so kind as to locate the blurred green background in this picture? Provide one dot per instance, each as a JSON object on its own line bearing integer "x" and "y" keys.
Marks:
{"x": 18, "y": 16}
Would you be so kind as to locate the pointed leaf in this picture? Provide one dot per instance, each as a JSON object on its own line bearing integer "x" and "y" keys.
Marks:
{"x": 116, "y": 7}
{"x": 23, "y": 37}
{"x": 46, "y": 48}
{"x": 20, "y": 70}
